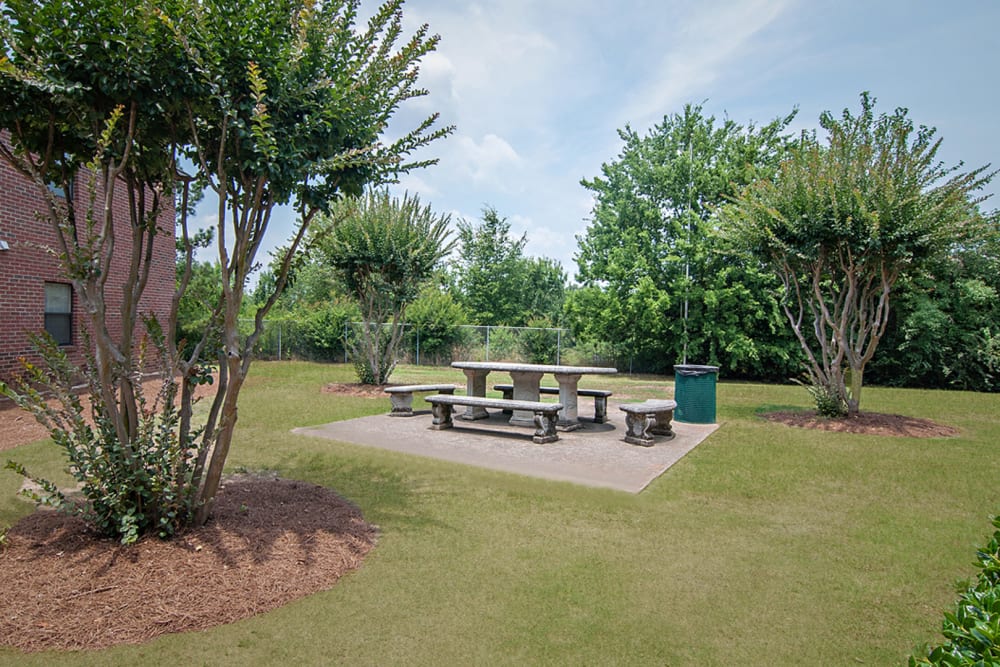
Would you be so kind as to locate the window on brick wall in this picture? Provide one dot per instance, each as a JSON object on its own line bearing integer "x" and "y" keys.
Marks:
{"x": 59, "y": 312}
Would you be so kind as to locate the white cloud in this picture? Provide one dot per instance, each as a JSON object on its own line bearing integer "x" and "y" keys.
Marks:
{"x": 487, "y": 159}
{"x": 712, "y": 39}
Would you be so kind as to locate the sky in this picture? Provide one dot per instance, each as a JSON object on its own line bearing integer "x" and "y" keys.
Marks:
{"x": 538, "y": 89}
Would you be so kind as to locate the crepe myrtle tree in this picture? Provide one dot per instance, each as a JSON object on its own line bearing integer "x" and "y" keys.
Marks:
{"x": 274, "y": 103}
{"x": 383, "y": 250}
{"x": 840, "y": 222}
{"x": 92, "y": 95}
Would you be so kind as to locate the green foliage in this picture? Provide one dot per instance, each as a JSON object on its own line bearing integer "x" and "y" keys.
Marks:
{"x": 382, "y": 250}
{"x": 841, "y": 221}
{"x": 828, "y": 400}
{"x": 322, "y": 326}
{"x": 129, "y": 488}
{"x": 196, "y": 311}
{"x": 673, "y": 289}
{"x": 945, "y": 325}
{"x": 539, "y": 344}
{"x": 436, "y": 317}
{"x": 497, "y": 284}
{"x": 503, "y": 344}
{"x": 972, "y": 631}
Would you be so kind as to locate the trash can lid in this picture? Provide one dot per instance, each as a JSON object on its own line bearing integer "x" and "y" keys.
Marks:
{"x": 694, "y": 369}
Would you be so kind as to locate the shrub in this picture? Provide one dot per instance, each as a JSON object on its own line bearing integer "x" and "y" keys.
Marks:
{"x": 128, "y": 488}
{"x": 322, "y": 327}
{"x": 539, "y": 344}
{"x": 972, "y": 631}
{"x": 436, "y": 318}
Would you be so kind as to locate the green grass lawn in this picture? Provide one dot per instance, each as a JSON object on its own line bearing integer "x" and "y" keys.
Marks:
{"x": 766, "y": 545}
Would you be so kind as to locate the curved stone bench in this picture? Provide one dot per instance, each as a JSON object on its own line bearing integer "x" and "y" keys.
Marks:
{"x": 401, "y": 397}
{"x": 646, "y": 419}
{"x": 600, "y": 397}
{"x": 545, "y": 413}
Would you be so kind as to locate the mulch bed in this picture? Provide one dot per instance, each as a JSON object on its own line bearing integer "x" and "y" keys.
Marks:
{"x": 270, "y": 541}
{"x": 356, "y": 389}
{"x": 870, "y": 423}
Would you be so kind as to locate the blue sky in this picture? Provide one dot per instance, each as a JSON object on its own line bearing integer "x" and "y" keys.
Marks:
{"x": 539, "y": 88}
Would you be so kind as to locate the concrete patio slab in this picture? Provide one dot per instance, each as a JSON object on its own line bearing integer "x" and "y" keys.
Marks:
{"x": 594, "y": 455}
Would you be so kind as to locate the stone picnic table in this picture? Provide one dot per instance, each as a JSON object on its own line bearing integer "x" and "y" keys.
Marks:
{"x": 527, "y": 382}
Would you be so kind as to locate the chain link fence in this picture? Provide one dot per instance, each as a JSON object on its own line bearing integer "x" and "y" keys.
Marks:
{"x": 291, "y": 339}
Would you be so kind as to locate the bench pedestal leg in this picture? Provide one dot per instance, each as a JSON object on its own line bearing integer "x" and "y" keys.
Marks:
{"x": 402, "y": 404}
{"x": 508, "y": 394}
{"x": 637, "y": 427}
{"x": 441, "y": 413}
{"x": 661, "y": 425}
{"x": 545, "y": 428}
{"x": 600, "y": 410}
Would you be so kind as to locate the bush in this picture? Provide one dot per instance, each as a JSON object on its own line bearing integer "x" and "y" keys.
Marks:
{"x": 129, "y": 488}
{"x": 436, "y": 318}
{"x": 321, "y": 328}
{"x": 972, "y": 631}
{"x": 539, "y": 344}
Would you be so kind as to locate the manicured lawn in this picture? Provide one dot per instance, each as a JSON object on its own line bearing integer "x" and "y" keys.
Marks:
{"x": 766, "y": 545}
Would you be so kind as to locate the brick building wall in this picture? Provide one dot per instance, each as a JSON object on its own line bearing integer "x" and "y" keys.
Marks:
{"x": 28, "y": 260}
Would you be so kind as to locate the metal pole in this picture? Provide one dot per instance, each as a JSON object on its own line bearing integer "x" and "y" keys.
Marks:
{"x": 487, "y": 343}
{"x": 279, "y": 341}
{"x": 418, "y": 347}
{"x": 687, "y": 254}
{"x": 558, "y": 346}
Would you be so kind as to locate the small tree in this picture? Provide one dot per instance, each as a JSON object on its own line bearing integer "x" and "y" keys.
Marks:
{"x": 651, "y": 245}
{"x": 383, "y": 250}
{"x": 840, "y": 223}
{"x": 497, "y": 284}
{"x": 275, "y": 102}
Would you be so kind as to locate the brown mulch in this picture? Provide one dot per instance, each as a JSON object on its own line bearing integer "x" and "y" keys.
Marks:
{"x": 356, "y": 389}
{"x": 870, "y": 423}
{"x": 270, "y": 541}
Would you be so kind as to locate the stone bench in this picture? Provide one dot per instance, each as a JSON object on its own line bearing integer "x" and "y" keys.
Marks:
{"x": 402, "y": 397}
{"x": 600, "y": 397}
{"x": 545, "y": 413}
{"x": 644, "y": 420}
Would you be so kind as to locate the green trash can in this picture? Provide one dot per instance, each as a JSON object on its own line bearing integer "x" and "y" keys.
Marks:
{"x": 694, "y": 391}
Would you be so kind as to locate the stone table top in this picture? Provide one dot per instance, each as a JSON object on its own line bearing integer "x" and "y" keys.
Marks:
{"x": 514, "y": 367}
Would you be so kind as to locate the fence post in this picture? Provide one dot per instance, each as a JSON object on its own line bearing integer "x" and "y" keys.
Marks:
{"x": 487, "y": 342}
{"x": 279, "y": 341}
{"x": 418, "y": 347}
{"x": 558, "y": 346}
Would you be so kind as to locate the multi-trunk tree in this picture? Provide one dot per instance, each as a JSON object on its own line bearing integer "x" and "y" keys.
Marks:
{"x": 383, "y": 250}
{"x": 277, "y": 102}
{"x": 840, "y": 222}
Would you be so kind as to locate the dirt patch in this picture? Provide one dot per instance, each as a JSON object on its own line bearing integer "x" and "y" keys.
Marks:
{"x": 269, "y": 541}
{"x": 870, "y": 423}
{"x": 18, "y": 427}
{"x": 356, "y": 389}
